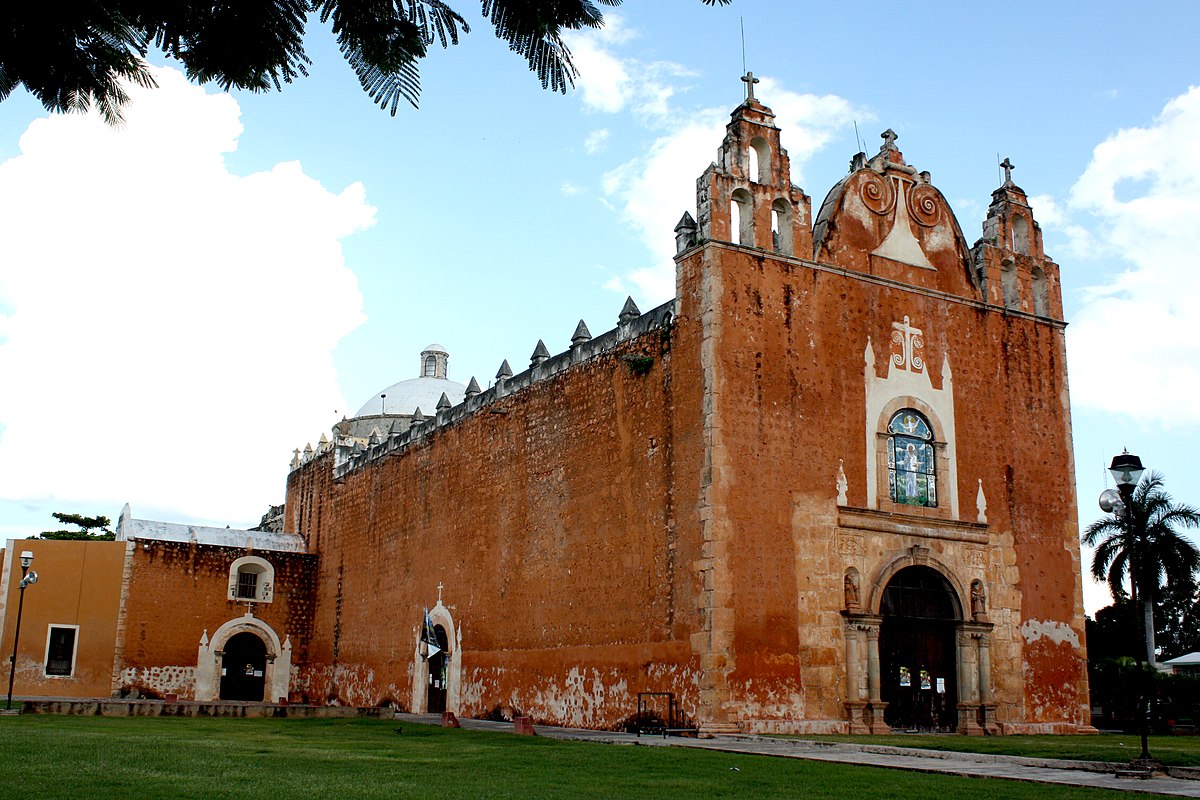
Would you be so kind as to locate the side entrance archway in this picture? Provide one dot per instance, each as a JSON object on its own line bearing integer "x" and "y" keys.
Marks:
{"x": 244, "y": 660}
{"x": 918, "y": 650}
{"x": 435, "y": 702}
{"x": 437, "y": 678}
{"x": 243, "y": 668}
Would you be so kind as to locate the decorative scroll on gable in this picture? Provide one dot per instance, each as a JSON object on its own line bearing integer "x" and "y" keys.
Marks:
{"x": 886, "y": 218}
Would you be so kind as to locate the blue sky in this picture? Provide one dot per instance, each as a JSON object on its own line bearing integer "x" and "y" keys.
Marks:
{"x": 184, "y": 301}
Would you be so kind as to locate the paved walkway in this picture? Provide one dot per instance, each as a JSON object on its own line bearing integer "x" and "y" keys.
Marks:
{"x": 976, "y": 765}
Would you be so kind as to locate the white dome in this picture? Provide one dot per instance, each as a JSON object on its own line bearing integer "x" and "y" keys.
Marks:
{"x": 434, "y": 348}
{"x": 407, "y": 396}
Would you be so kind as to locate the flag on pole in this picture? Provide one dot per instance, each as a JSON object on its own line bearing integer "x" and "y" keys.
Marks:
{"x": 430, "y": 637}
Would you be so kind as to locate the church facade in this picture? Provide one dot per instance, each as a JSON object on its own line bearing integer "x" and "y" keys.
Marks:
{"x": 827, "y": 488}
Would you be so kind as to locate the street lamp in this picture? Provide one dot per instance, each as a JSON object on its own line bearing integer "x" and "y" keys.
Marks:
{"x": 1126, "y": 470}
{"x": 28, "y": 578}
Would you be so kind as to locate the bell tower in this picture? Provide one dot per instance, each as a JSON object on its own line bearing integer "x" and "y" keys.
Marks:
{"x": 746, "y": 197}
{"x": 1009, "y": 259}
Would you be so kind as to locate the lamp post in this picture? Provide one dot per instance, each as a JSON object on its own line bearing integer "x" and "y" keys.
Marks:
{"x": 28, "y": 578}
{"x": 1127, "y": 470}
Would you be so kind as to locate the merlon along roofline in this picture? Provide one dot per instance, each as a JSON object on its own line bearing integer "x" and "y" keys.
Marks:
{"x": 350, "y": 454}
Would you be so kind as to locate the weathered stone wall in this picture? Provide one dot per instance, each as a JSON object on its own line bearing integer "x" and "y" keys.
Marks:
{"x": 178, "y": 591}
{"x": 789, "y": 373}
{"x": 555, "y": 518}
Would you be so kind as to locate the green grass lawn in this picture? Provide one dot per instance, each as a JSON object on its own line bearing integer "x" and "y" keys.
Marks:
{"x": 268, "y": 759}
{"x": 1173, "y": 750}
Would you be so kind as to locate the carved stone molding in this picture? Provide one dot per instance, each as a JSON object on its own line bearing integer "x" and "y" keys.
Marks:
{"x": 902, "y": 525}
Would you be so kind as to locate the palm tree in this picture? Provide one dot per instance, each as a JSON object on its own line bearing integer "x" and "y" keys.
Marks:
{"x": 1144, "y": 545}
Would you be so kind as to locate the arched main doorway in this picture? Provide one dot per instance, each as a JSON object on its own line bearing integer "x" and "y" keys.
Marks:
{"x": 435, "y": 702}
{"x": 243, "y": 668}
{"x": 917, "y": 650}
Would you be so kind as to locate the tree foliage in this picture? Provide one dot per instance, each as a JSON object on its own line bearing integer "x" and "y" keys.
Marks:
{"x": 73, "y": 55}
{"x": 1177, "y": 621}
{"x": 86, "y": 526}
{"x": 1114, "y": 631}
{"x": 1144, "y": 545}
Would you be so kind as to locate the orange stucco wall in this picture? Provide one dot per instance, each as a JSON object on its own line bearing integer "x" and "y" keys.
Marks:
{"x": 553, "y": 519}
{"x": 178, "y": 593}
{"x": 79, "y": 583}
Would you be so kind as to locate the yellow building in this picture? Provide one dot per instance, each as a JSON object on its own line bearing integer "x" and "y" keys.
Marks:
{"x": 69, "y": 619}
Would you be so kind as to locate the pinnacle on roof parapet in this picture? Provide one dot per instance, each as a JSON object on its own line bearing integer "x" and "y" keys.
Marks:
{"x": 629, "y": 312}
{"x": 351, "y": 453}
{"x": 540, "y": 355}
{"x": 582, "y": 335}
{"x": 443, "y": 402}
{"x": 686, "y": 233}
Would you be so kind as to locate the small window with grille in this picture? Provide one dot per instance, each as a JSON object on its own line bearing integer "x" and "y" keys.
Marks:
{"x": 247, "y": 588}
{"x": 60, "y": 650}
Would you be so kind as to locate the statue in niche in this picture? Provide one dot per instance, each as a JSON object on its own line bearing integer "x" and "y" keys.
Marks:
{"x": 850, "y": 587}
{"x": 978, "y": 601}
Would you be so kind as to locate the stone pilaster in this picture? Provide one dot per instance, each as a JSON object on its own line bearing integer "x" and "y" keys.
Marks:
{"x": 877, "y": 707}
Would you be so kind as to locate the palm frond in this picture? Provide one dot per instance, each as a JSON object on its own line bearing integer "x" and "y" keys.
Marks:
{"x": 252, "y": 46}
{"x": 382, "y": 41}
{"x": 72, "y": 59}
{"x": 1145, "y": 545}
{"x": 534, "y": 30}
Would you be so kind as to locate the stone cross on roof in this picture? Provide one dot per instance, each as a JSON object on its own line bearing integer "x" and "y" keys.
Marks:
{"x": 889, "y": 139}
{"x": 1007, "y": 166}
{"x": 749, "y": 80}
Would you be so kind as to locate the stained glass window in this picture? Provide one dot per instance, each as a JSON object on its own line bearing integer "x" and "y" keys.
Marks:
{"x": 912, "y": 479}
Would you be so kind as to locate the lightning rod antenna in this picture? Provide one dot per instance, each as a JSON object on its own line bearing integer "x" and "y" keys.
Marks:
{"x": 742, "y": 25}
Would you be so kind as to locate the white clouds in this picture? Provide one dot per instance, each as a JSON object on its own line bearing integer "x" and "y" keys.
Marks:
{"x": 1142, "y": 191}
{"x": 168, "y": 326}
{"x": 1050, "y": 214}
{"x": 596, "y": 141}
{"x": 610, "y": 83}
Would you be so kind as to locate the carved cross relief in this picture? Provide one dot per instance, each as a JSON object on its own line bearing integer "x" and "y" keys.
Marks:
{"x": 910, "y": 340}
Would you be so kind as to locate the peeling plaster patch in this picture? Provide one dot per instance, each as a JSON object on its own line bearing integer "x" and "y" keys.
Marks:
{"x": 858, "y": 211}
{"x": 940, "y": 238}
{"x": 354, "y": 685}
{"x": 160, "y": 680}
{"x": 1056, "y": 632}
{"x": 586, "y": 697}
{"x": 763, "y": 702}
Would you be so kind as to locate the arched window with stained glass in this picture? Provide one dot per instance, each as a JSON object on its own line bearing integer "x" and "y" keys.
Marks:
{"x": 912, "y": 478}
